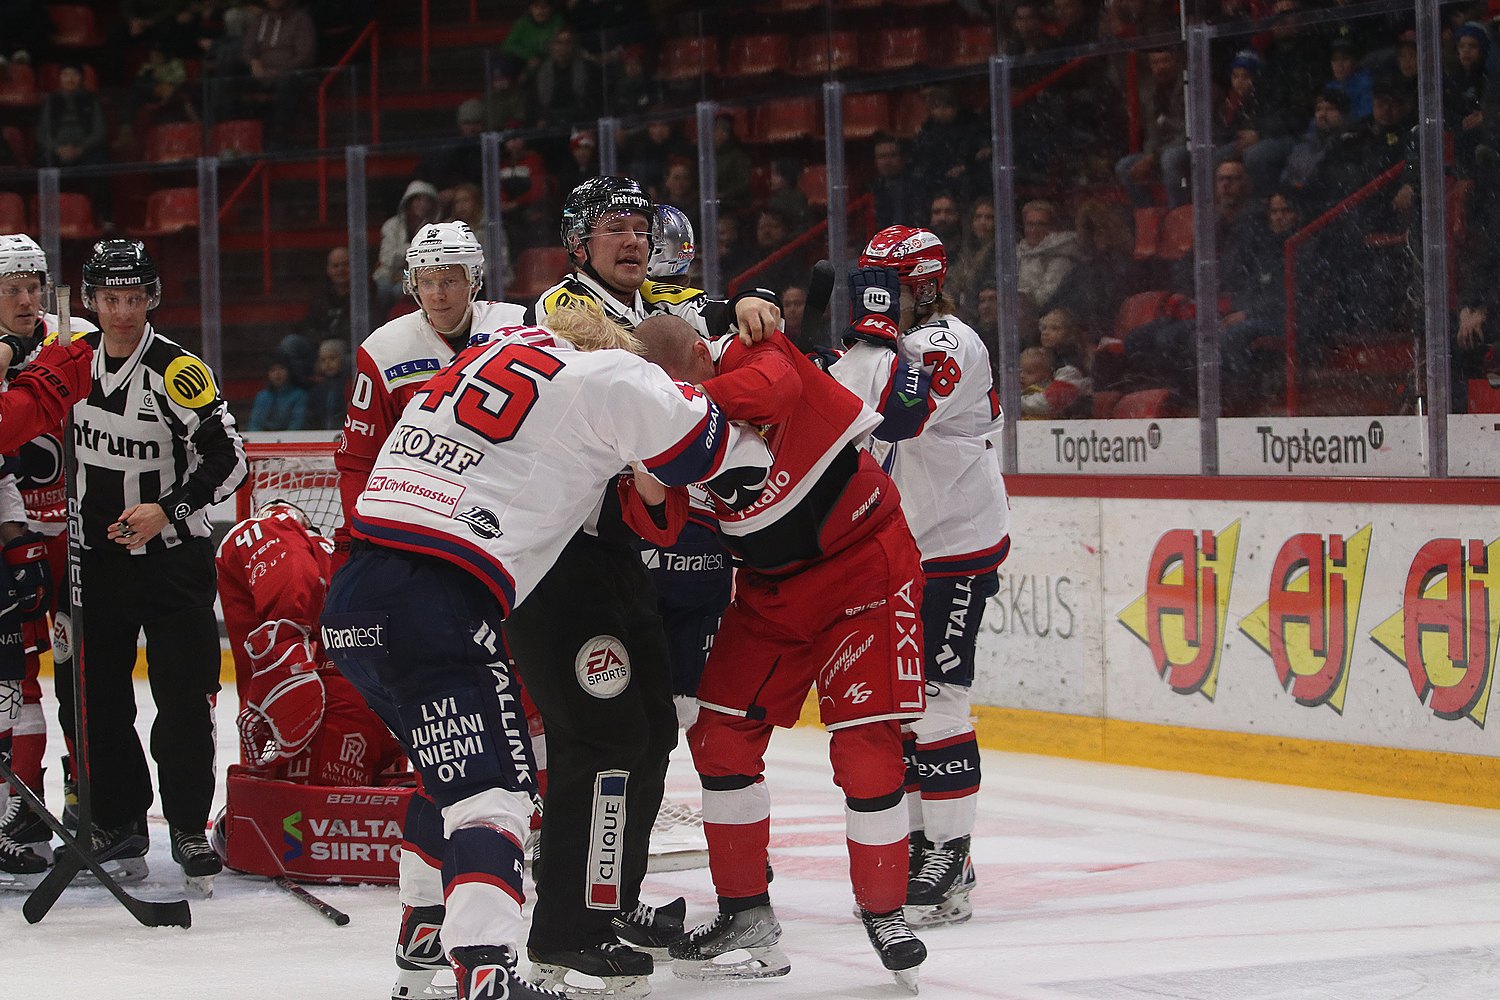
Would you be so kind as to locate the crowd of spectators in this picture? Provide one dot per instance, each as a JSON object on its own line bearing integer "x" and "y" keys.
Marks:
{"x": 1303, "y": 115}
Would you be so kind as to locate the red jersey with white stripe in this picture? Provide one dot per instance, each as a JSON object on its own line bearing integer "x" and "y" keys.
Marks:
{"x": 505, "y": 454}
{"x": 270, "y": 568}
{"x": 39, "y": 462}
{"x": 390, "y": 367}
{"x": 948, "y": 473}
{"x": 807, "y": 419}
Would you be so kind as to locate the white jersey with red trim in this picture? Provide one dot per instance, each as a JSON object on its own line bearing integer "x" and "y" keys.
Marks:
{"x": 505, "y": 454}
{"x": 390, "y": 367}
{"x": 948, "y": 471}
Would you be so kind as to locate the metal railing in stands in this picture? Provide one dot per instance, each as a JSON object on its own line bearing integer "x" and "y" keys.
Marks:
{"x": 370, "y": 36}
{"x": 1031, "y": 90}
{"x": 863, "y": 206}
{"x": 1289, "y": 253}
{"x": 262, "y": 172}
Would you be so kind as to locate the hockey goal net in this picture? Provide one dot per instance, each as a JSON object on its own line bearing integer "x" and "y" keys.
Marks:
{"x": 298, "y": 471}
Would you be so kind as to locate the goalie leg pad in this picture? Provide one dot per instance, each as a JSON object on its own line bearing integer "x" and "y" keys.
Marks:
{"x": 312, "y": 833}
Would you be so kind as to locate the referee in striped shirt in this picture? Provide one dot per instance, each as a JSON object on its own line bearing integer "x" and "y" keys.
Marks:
{"x": 155, "y": 446}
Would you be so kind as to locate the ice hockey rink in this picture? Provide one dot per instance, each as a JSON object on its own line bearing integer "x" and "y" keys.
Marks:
{"x": 1095, "y": 881}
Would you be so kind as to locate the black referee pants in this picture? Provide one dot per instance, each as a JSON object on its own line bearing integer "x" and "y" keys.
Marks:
{"x": 610, "y": 731}
{"x": 170, "y": 596}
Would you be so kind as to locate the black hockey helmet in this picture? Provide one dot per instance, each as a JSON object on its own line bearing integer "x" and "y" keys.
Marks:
{"x": 120, "y": 264}
{"x": 596, "y": 199}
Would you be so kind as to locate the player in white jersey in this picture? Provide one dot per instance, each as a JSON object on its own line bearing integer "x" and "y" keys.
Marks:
{"x": 444, "y": 273}
{"x": 25, "y": 322}
{"x": 937, "y": 446}
{"x": 498, "y": 461}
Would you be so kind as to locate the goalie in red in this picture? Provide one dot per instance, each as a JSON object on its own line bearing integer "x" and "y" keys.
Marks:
{"x": 303, "y": 727}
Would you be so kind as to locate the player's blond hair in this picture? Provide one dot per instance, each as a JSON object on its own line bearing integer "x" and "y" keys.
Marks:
{"x": 586, "y": 327}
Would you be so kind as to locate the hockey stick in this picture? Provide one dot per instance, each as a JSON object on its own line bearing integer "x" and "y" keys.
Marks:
{"x": 78, "y": 857}
{"x": 339, "y": 917}
{"x": 819, "y": 291}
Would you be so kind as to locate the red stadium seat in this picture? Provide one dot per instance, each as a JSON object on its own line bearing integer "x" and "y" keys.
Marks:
{"x": 908, "y": 114}
{"x": 1176, "y": 234}
{"x": 866, "y": 115}
{"x": 74, "y": 26}
{"x": 12, "y": 213}
{"x": 1103, "y": 404}
{"x": 18, "y": 87}
{"x": 786, "y": 120}
{"x": 19, "y": 143}
{"x": 75, "y": 215}
{"x": 168, "y": 211}
{"x": 896, "y": 48}
{"x": 1138, "y": 310}
{"x": 755, "y": 55}
{"x": 822, "y": 53}
{"x": 687, "y": 58}
{"x": 537, "y": 270}
{"x": 813, "y": 182}
{"x": 239, "y": 137}
{"x": 1483, "y": 397}
{"x": 174, "y": 141}
{"x": 1148, "y": 231}
{"x": 1143, "y": 404}
{"x": 972, "y": 45}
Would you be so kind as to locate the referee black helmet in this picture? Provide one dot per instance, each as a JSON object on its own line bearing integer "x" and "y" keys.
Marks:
{"x": 120, "y": 264}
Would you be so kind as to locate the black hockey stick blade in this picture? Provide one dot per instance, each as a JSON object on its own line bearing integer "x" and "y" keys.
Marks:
{"x": 819, "y": 291}
{"x": 339, "y": 917}
{"x": 74, "y": 860}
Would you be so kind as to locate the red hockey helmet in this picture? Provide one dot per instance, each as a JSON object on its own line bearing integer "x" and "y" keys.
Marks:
{"x": 917, "y": 255}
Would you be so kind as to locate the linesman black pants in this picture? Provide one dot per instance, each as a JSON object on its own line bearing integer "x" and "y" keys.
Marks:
{"x": 589, "y": 646}
{"x": 169, "y": 595}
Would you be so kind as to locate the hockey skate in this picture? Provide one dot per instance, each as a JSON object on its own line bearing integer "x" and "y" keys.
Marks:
{"x": 121, "y": 850}
{"x": 732, "y": 946}
{"x": 897, "y": 946}
{"x": 199, "y": 862}
{"x": 420, "y": 962}
{"x": 486, "y": 973}
{"x": 18, "y": 863}
{"x": 939, "y": 892}
{"x": 609, "y": 969}
{"x": 652, "y": 928}
{"x": 26, "y": 828}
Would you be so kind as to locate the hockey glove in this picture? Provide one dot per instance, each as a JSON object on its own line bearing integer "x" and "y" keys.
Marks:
{"x": 824, "y": 357}
{"x": 58, "y": 377}
{"x": 286, "y": 698}
{"x": 874, "y": 306}
{"x": 26, "y": 558}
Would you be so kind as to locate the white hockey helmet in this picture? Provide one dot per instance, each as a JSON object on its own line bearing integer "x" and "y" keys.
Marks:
{"x": 19, "y": 254}
{"x": 439, "y": 244}
{"x": 672, "y": 247}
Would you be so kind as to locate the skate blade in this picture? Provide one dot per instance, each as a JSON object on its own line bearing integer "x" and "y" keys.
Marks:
{"x": 125, "y": 871}
{"x": 907, "y": 980}
{"x": 421, "y": 984}
{"x": 580, "y": 985}
{"x": 677, "y": 861}
{"x": 757, "y": 963}
{"x": 10, "y": 882}
{"x": 955, "y": 911}
{"x": 203, "y": 885}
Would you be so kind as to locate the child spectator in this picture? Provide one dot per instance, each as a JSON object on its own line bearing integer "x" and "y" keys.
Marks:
{"x": 328, "y": 396}
{"x": 1046, "y": 390}
{"x": 1356, "y": 84}
{"x": 1046, "y": 255}
{"x": 280, "y": 406}
{"x": 1062, "y": 334}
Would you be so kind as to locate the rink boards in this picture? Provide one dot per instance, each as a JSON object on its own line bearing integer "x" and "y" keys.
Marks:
{"x": 1335, "y": 633}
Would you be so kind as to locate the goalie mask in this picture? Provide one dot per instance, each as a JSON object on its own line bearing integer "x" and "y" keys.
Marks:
{"x": 120, "y": 264}
{"x": 672, "y": 248}
{"x": 917, "y": 255}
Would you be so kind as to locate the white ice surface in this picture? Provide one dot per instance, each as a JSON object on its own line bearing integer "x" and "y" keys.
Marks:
{"x": 1095, "y": 882}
